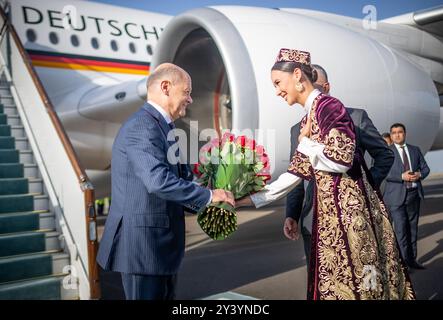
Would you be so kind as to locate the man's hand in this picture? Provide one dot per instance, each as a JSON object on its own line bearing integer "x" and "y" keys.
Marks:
{"x": 416, "y": 176}
{"x": 244, "y": 202}
{"x": 220, "y": 195}
{"x": 410, "y": 176}
{"x": 290, "y": 229}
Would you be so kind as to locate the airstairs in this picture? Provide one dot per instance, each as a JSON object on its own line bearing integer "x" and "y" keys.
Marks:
{"x": 48, "y": 239}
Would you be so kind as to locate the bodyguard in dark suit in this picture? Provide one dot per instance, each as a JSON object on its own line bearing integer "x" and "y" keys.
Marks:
{"x": 403, "y": 193}
{"x": 299, "y": 200}
{"x": 144, "y": 236}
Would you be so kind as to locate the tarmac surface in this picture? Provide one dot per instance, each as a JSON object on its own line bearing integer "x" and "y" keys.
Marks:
{"x": 258, "y": 262}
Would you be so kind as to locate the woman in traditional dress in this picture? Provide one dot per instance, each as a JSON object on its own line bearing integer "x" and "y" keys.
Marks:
{"x": 354, "y": 250}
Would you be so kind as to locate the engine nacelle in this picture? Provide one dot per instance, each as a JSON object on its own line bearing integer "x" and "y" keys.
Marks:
{"x": 229, "y": 52}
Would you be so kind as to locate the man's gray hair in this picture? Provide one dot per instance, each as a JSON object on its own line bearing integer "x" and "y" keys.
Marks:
{"x": 320, "y": 69}
{"x": 166, "y": 71}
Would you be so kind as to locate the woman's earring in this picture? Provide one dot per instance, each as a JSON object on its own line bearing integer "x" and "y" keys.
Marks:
{"x": 299, "y": 87}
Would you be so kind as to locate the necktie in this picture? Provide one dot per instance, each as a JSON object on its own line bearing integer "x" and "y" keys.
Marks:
{"x": 406, "y": 166}
{"x": 172, "y": 127}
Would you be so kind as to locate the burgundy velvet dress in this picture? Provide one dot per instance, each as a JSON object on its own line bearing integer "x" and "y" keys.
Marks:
{"x": 354, "y": 253}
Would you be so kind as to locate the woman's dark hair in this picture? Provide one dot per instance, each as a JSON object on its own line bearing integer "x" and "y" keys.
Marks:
{"x": 287, "y": 66}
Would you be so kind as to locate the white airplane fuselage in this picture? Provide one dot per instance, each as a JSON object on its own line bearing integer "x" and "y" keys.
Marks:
{"x": 94, "y": 59}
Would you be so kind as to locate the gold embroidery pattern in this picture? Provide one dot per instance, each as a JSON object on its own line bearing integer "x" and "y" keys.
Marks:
{"x": 356, "y": 249}
{"x": 334, "y": 271}
{"x": 293, "y": 55}
{"x": 396, "y": 285}
{"x": 339, "y": 146}
{"x": 301, "y": 166}
{"x": 315, "y": 129}
{"x": 362, "y": 243}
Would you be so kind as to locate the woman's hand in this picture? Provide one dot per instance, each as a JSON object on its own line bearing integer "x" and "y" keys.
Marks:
{"x": 306, "y": 131}
{"x": 244, "y": 202}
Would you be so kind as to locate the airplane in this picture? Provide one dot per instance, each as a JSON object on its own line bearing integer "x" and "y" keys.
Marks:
{"x": 93, "y": 60}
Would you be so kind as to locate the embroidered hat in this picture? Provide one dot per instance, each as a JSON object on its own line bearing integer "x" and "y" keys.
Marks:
{"x": 292, "y": 55}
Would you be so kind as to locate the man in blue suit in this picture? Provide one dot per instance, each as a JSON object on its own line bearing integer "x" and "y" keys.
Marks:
{"x": 144, "y": 236}
{"x": 403, "y": 193}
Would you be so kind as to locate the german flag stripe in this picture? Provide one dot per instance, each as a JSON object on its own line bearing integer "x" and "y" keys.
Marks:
{"x": 78, "y": 62}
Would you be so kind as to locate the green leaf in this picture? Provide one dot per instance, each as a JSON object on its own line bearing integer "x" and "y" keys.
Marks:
{"x": 221, "y": 181}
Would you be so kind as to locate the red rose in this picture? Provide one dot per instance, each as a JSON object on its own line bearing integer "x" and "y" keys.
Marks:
{"x": 250, "y": 143}
{"x": 259, "y": 150}
{"x": 265, "y": 160}
{"x": 196, "y": 169}
{"x": 241, "y": 140}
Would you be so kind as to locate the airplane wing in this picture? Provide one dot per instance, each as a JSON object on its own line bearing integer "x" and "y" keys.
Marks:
{"x": 429, "y": 20}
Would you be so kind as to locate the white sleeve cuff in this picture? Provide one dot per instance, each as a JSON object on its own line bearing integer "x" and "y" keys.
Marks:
{"x": 276, "y": 190}
{"x": 210, "y": 198}
{"x": 314, "y": 151}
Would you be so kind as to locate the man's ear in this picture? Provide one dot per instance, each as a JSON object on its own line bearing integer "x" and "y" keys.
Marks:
{"x": 327, "y": 87}
{"x": 165, "y": 85}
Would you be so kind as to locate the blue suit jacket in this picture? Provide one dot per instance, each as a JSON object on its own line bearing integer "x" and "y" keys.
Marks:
{"x": 145, "y": 228}
{"x": 395, "y": 191}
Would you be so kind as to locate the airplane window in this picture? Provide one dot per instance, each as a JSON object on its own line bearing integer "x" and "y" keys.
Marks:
{"x": 75, "y": 41}
{"x": 31, "y": 36}
{"x": 114, "y": 45}
{"x": 132, "y": 47}
{"x": 53, "y": 37}
{"x": 94, "y": 43}
{"x": 149, "y": 49}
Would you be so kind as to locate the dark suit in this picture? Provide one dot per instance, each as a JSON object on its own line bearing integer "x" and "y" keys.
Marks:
{"x": 404, "y": 204}
{"x": 299, "y": 203}
{"x": 144, "y": 236}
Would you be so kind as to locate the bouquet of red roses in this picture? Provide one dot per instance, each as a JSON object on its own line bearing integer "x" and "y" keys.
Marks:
{"x": 235, "y": 164}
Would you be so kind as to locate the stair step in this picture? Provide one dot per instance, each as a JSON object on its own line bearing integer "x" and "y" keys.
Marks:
{"x": 31, "y": 171}
{"x": 14, "y": 186}
{"x": 18, "y": 131}
{"x": 6, "y": 99}
{"x": 26, "y": 157}
{"x": 5, "y": 130}
{"x": 9, "y": 156}
{"x": 27, "y": 242}
{"x": 32, "y": 265}
{"x": 36, "y": 185}
{"x": 7, "y": 142}
{"x": 44, "y": 288}
{"x": 21, "y": 143}
{"x": 5, "y": 90}
{"x": 41, "y": 202}
{"x": 13, "y": 120}
{"x": 10, "y": 110}
{"x": 3, "y": 119}
{"x": 17, "y": 203}
{"x": 14, "y": 170}
{"x": 26, "y": 221}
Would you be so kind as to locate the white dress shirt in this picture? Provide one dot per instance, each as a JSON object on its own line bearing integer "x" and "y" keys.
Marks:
{"x": 162, "y": 111}
{"x": 400, "y": 151}
{"x": 287, "y": 181}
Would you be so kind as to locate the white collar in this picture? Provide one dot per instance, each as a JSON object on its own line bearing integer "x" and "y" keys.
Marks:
{"x": 308, "y": 103}
{"x": 162, "y": 111}
{"x": 400, "y": 146}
